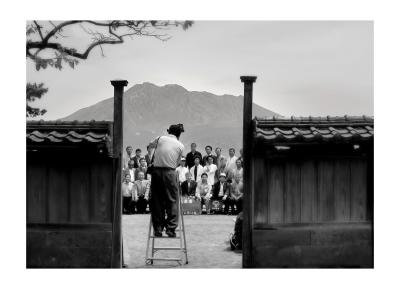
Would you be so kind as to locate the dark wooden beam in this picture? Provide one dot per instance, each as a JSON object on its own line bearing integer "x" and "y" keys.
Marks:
{"x": 116, "y": 256}
{"x": 248, "y": 170}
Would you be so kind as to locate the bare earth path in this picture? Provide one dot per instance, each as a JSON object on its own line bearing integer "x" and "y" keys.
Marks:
{"x": 207, "y": 242}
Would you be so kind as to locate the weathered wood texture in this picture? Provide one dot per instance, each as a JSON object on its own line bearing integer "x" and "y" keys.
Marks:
{"x": 310, "y": 191}
{"x": 248, "y": 184}
{"x": 314, "y": 246}
{"x": 69, "y": 211}
{"x": 64, "y": 192}
{"x": 74, "y": 246}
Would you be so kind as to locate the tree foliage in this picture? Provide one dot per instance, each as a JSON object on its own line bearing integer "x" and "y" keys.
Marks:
{"x": 47, "y": 44}
{"x": 34, "y": 91}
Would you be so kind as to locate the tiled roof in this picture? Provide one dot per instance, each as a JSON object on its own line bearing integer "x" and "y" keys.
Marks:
{"x": 314, "y": 129}
{"x": 68, "y": 132}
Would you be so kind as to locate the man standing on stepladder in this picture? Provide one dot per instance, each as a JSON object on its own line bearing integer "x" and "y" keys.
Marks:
{"x": 164, "y": 182}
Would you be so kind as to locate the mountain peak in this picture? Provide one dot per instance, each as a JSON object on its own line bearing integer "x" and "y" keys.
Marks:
{"x": 175, "y": 87}
{"x": 149, "y": 109}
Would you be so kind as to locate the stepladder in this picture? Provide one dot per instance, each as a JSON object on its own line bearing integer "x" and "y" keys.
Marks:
{"x": 156, "y": 245}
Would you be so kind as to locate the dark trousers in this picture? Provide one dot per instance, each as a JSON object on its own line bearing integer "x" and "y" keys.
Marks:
{"x": 228, "y": 204}
{"x": 239, "y": 205}
{"x": 127, "y": 205}
{"x": 141, "y": 205}
{"x": 164, "y": 197}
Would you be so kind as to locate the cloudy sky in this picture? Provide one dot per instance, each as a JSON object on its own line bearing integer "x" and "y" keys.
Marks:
{"x": 303, "y": 68}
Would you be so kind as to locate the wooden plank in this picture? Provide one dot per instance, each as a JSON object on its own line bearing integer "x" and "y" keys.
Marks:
{"x": 281, "y": 237}
{"x": 36, "y": 193}
{"x": 326, "y": 211}
{"x": 116, "y": 259}
{"x": 276, "y": 192}
{"x": 248, "y": 181}
{"x": 327, "y": 256}
{"x": 58, "y": 200}
{"x": 70, "y": 238}
{"x": 308, "y": 192}
{"x": 292, "y": 193}
{"x": 341, "y": 184}
{"x": 69, "y": 257}
{"x": 345, "y": 235}
{"x": 80, "y": 194}
{"x": 101, "y": 186}
{"x": 358, "y": 169}
{"x": 313, "y": 246}
{"x": 261, "y": 195}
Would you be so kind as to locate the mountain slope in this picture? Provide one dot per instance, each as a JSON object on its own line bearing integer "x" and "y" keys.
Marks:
{"x": 149, "y": 110}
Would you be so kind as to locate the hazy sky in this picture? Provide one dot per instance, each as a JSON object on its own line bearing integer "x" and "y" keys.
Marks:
{"x": 303, "y": 67}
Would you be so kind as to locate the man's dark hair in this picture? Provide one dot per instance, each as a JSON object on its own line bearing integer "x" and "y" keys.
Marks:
{"x": 204, "y": 174}
{"x": 197, "y": 157}
{"x": 193, "y": 143}
{"x": 210, "y": 157}
{"x": 176, "y": 129}
{"x": 218, "y": 148}
{"x": 128, "y": 147}
{"x": 138, "y": 150}
{"x": 232, "y": 149}
{"x": 208, "y": 146}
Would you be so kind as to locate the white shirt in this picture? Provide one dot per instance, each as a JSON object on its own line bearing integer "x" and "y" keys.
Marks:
{"x": 199, "y": 172}
{"x": 132, "y": 173}
{"x": 231, "y": 162}
{"x": 210, "y": 171}
{"x": 237, "y": 172}
{"x": 127, "y": 189}
{"x": 221, "y": 190}
{"x": 168, "y": 152}
{"x": 182, "y": 173}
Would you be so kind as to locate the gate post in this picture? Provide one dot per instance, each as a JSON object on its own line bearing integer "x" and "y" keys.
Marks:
{"x": 116, "y": 256}
{"x": 247, "y": 261}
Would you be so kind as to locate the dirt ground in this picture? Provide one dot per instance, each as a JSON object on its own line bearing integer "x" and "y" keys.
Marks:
{"x": 207, "y": 242}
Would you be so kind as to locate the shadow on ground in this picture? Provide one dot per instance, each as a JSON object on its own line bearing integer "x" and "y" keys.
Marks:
{"x": 207, "y": 242}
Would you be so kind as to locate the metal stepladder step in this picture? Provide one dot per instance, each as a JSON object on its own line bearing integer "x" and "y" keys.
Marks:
{"x": 151, "y": 239}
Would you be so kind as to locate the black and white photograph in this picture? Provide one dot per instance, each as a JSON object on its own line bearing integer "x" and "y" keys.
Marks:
{"x": 161, "y": 169}
{"x": 192, "y": 150}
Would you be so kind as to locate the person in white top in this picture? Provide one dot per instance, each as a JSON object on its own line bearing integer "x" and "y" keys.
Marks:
{"x": 164, "y": 181}
{"x": 196, "y": 170}
{"x": 127, "y": 195}
{"x": 182, "y": 170}
{"x": 210, "y": 170}
{"x": 130, "y": 170}
{"x": 231, "y": 160}
{"x": 238, "y": 170}
{"x": 127, "y": 157}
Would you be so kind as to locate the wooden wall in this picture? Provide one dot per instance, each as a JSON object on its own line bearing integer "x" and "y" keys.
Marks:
{"x": 310, "y": 191}
{"x": 69, "y": 210}
{"x": 312, "y": 207}
{"x": 69, "y": 193}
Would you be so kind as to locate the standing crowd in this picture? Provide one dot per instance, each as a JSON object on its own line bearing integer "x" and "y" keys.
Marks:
{"x": 215, "y": 180}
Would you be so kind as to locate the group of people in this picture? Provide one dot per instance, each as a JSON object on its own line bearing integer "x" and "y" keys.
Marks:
{"x": 136, "y": 182}
{"x": 207, "y": 178}
{"x": 213, "y": 178}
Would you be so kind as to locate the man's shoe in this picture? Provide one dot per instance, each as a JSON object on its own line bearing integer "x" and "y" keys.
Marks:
{"x": 171, "y": 234}
{"x": 158, "y": 233}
